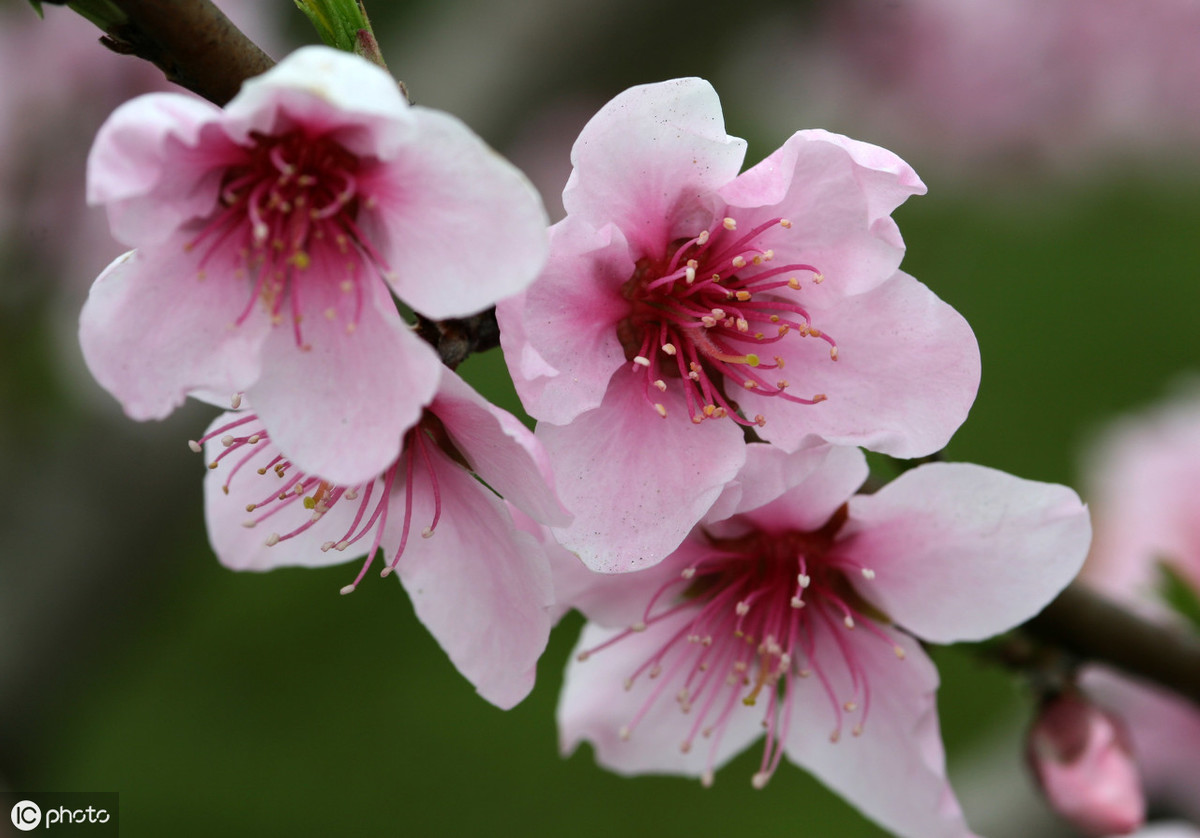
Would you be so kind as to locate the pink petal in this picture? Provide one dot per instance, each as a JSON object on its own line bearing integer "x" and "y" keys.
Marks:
{"x": 839, "y": 195}
{"x": 619, "y": 600}
{"x": 151, "y": 168}
{"x": 245, "y": 548}
{"x": 594, "y": 706}
{"x": 666, "y": 473}
{"x": 648, "y": 158}
{"x": 963, "y": 552}
{"x": 1143, "y": 477}
{"x": 458, "y": 225}
{"x": 906, "y": 374}
{"x": 340, "y": 409}
{"x": 151, "y": 333}
{"x": 560, "y": 337}
{"x": 895, "y": 770}
{"x": 480, "y": 586}
{"x": 324, "y": 91}
{"x": 502, "y": 451}
{"x": 798, "y": 491}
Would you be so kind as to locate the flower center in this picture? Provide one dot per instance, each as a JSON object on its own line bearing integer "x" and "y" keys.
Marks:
{"x": 286, "y": 212}
{"x": 303, "y": 500}
{"x": 748, "y": 617}
{"x": 703, "y": 313}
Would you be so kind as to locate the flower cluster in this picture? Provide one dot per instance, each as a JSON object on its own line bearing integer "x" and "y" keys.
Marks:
{"x": 706, "y": 350}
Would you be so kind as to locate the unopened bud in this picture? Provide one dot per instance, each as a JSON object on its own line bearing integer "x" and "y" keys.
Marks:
{"x": 1082, "y": 758}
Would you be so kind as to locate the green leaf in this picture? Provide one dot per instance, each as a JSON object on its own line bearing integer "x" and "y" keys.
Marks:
{"x": 336, "y": 21}
{"x": 1179, "y": 593}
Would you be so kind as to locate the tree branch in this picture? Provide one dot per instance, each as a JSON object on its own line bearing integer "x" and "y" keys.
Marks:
{"x": 192, "y": 42}
{"x": 1092, "y": 627}
{"x": 455, "y": 339}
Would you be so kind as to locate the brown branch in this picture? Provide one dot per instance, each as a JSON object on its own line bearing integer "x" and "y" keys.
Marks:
{"x": 192, "y": 42}
{"x": 454, "y": 340}
{"x": 1093, "y": 628}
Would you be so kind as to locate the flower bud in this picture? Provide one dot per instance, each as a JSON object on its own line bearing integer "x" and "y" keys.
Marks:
{"x": 1083, "y": 761}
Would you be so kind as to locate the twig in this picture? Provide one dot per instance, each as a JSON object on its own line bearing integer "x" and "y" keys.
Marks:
{"x": 192, "y": 42}
{"x": 1093, "y": 628}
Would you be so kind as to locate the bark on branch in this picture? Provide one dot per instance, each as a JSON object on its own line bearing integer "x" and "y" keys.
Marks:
{"x": 1093, "y": 628}
{"x": 192, "y": 42}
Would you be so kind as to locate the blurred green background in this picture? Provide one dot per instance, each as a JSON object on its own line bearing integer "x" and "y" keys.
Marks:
{"x": 268, "y": 704}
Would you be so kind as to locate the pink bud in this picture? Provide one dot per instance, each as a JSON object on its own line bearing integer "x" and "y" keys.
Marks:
{"x": 1082, "y": 758}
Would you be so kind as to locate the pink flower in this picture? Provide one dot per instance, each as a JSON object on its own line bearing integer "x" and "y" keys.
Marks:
{"x": 480, "y": 586}
{"x": 983, "y": 86}
{"x": 683, "y": 302}
{"x": 1082, "y": 758}
{"x": 792, "y": 612}
{"x": 267, "y": 237}
{"x": 1144, "y": 481}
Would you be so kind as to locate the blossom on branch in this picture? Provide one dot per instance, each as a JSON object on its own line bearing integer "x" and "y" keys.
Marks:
{"x": 793, "y": 611}
{"x": 1081, "y": 756}
{"x": 268, "y": 237}
{"x": 684, "y": 302}
{"x": 481, "y": 587}
{"x": 1144, "y": 482}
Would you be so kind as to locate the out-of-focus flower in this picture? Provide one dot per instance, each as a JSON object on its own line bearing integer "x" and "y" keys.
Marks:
{"x": 1082, "y": 758}
{"x": 1144, "y": 487}
{"x": 479, "y": 585}
{"x": 268, "y": 235}
{"x": 1063, "y": 82}
{"x": 1168, "y": 829}
{"x": 1165, "y": 733}
{"x": 792, "y": 611}
{"x": 1144, "y": 483}
{"x": 684, "y": 302}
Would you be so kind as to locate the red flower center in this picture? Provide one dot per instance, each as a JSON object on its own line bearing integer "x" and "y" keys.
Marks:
{"x": 752, "y": 611}
{"x": 703, "y": 313}
{"x": 287, "y": 212}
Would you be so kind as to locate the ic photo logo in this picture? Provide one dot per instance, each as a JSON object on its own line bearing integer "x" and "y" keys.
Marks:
{"x": 26, "y": 815}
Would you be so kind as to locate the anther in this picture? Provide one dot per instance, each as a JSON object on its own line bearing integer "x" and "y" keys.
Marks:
{"x": 729, "y": 223}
